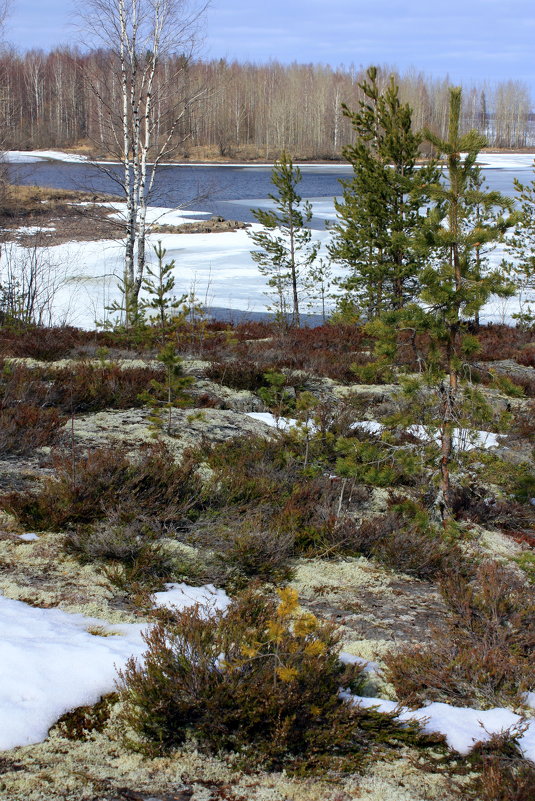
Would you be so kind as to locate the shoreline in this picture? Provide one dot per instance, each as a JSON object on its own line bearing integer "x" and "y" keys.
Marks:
{"x": 77, "y": 156}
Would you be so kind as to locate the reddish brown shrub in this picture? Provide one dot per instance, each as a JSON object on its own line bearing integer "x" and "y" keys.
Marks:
{"x": 44, "y": 344}
{"x": 79, "y": 388}
{"x": 483, "y": 655}
{"x": 25, "y": 427}
{"x": 526, "y": 356}
{"x": 262, "y": 679}
{"x": 242, "y": 374}
{"x": 502, "y": 342}
{"x": 504, "y": 775}
{"x": 86, "y": 486}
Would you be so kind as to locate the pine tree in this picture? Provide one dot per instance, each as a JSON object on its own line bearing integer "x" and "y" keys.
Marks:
{"x": 380, "y": 213}
{"x": 286, "y": 252}
{"x": 159, "y": 284}
{"x": 164, "y": 396}
{"x": 521, "y": 247}
{"x": 465, "y": 218}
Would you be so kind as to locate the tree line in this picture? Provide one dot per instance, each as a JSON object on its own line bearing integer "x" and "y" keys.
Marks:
{"x": 58, "y": 99}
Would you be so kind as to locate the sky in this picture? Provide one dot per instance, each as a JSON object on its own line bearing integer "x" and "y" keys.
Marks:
{"x": 467, "y": 40}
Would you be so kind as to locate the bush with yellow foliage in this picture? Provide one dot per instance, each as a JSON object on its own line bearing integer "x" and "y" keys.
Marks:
{"x": 261, "y": 679}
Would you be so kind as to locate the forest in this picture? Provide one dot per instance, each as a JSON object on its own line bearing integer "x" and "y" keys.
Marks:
{"x": 250, "y": 111}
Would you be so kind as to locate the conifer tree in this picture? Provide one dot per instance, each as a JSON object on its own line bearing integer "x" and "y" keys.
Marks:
{"x": 381, "y": 211}
{"x": 286, "y": 252}
{"x": 164, "y": 396}
{"x": 465, "y": 218}
{"x": 522, "y": 247}
{"x": 159, "y": 284}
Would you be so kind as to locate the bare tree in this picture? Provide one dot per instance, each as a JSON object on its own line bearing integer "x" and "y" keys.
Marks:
{"x": 139, "y": 104}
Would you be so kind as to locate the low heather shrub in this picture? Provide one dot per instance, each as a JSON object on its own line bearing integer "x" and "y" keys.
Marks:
{"x": 484, "y": 655}
{"x": 26, "y": 427}
{"x": 86, "y": 486}
{"x": 262, "y": 679}
{"x": 413, "y": 546}
{"x": 79, "y": 388}
{"x": 249, "y": 549}
{"x": 503, "y": 773}
{"x": 242, "y": 374}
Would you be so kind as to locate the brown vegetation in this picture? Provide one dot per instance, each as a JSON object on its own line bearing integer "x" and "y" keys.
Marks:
{"x": 250, "y": 111}
{"x": 483, "y": 656}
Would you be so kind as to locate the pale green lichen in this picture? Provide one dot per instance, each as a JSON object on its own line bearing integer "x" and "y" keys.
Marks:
{"x": 315, "y": 578}
{"x": 41, "y": 573}
{"x": 74, "y": 770}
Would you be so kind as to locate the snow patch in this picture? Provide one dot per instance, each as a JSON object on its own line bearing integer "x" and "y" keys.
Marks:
{"x": 32, "y": 229}
{"x": 51, "y": 663}
{"x": 33, "y": 156}
{"x": 182, "y": 596}
{"x": 463, "y": 439}
{"x": 462, "y": 727}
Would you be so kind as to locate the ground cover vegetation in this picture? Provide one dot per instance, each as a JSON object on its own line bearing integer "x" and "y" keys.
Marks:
{"x": 252, "y": 509}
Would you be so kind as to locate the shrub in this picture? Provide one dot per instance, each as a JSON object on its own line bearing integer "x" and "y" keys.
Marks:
{"x": 504, "y": 775}
{"x": 41, "y": 343}
{"x": 82, "y": 722}
{"x": 250, "y": 549}
{"x": 526, "y": 356}
{"x": 25, "y": 427}
{"x": 112, "y": 539}
{"x": 76, "y": 389}
{"x": 408, "y": 543}
{"x": 524, "y": 422}
{"x": 484, "y": 654}
{"x": 251, "y": 469}
{"x": 315, "y": 513}
{"x": 242, "y": 374}
{"x": 86, "y": 486}
{"x": 262, "y": 679}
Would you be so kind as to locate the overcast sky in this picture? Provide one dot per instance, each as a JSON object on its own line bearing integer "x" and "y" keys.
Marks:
{"x": 467, "y": 39}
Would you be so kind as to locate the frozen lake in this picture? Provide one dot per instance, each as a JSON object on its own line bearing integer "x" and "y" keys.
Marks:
{"x": 218, "y": 267}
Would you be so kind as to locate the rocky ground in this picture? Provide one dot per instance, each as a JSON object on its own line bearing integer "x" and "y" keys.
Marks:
{"x": 378, "y": 608}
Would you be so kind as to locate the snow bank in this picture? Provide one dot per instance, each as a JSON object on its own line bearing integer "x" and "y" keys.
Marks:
{"x": 50, "y": 663}
{"x": 158, "y": 215}
{"x": 33, "y": 229}
{"x": 462, "y": 726}
{"x": 463, "y": 439}
{"x": 33, "y": 156}
{"x": 282, "y": 423}
{"x": 506, "y": 161}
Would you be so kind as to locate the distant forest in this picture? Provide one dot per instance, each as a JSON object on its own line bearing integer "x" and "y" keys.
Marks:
{"x": 58, "y": 99}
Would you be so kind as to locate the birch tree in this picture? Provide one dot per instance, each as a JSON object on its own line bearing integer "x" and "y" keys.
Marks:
{"x": 141, "y": 102}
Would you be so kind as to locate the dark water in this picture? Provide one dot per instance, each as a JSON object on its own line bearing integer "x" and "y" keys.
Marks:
{"x": 218, "y": 190}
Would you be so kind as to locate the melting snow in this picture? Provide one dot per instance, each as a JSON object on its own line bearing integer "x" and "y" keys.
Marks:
{"x": 182, "y": 596}
{"x": 463, "y": 439}
{"x": 51, "y": 663}
{"x": 32, "y": 156}
{"x": 462, "y": 726}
